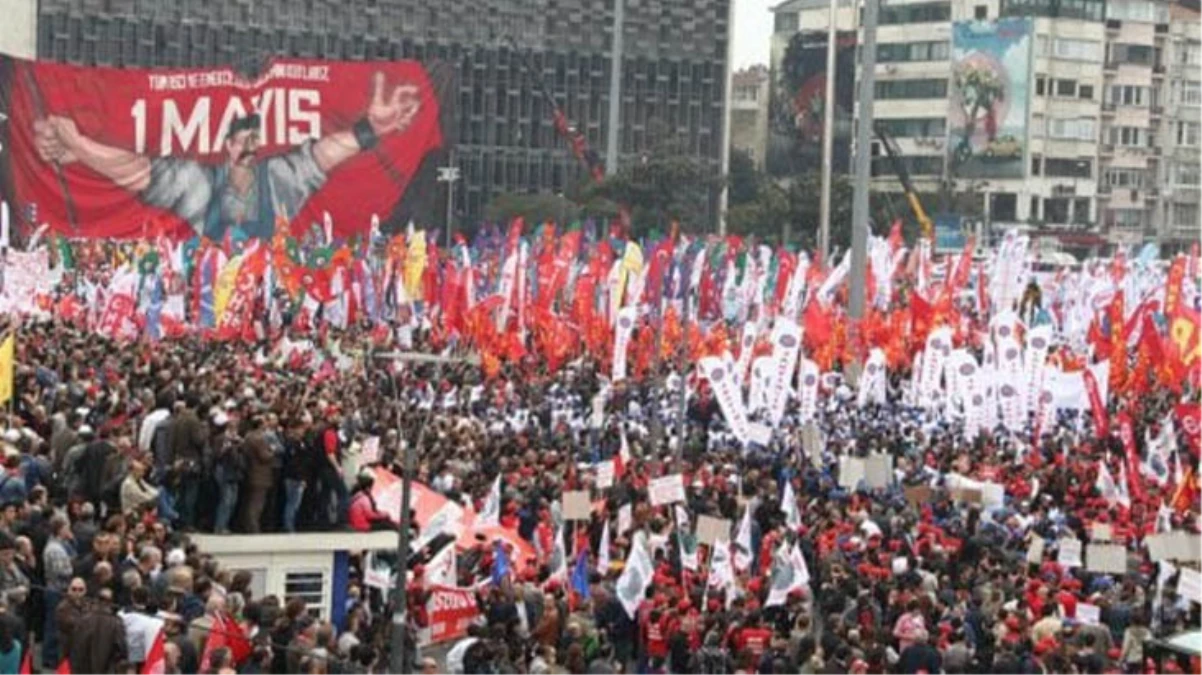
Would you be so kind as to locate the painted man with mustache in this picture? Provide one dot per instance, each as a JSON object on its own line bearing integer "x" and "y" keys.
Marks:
{"x": 243, "y": 192}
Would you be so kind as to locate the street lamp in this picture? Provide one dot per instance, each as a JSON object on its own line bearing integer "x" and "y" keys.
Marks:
{"x": 449, "y": 174}
{"x": 399, "y": 619}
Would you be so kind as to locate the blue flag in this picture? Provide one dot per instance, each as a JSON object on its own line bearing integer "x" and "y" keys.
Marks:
{"x": 500, "y": 564}
{"x": 580, "y": 574}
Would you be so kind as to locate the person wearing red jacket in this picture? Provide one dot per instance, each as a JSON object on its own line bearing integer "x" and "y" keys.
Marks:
{"x": 362, "y": 514}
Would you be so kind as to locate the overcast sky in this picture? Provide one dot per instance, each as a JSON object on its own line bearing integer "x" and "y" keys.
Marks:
{"x": 752, "y": 29}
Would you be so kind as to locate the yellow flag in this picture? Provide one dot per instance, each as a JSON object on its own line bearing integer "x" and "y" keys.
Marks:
{"x": 223, "y": 290}
{"x": 7, "y": 356}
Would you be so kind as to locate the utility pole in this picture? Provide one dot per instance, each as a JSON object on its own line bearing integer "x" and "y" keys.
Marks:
{"x": 727, "y": 104}
{"x": 859, "y": 204}
{"x": 449, "y": 174}
{"x": 828, "y": 137}
{"x": 615, "y": 90}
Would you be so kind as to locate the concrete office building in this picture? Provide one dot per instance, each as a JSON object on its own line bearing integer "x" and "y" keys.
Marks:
{"x": 1111, "y": 138}
{"x": 673, "y": 75}
{"x": 749, "y": 112}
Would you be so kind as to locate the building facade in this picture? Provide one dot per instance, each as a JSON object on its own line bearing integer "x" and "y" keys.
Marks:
{"x": 749, "y": 112}
{"x": 504, "y": 52}
{"x": 1109, "y": 125}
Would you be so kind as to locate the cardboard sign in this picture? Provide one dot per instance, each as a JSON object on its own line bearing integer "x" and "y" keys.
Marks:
{"x": 967, "y": 495}
{"x": 1185, "y": 547}
{"x": 710, "y": 530}
{"x": 1070, "y": 553}
{"x": 851, "y": 472}
{"x": 1177, "y": 545}
{"x": 918, "y": 494}
{"x": 1101, "y": 532}
{"x": 1106, "y": 558}
{"x": 877, "y": 471}
{"x": 1189, "y": 585}
{"x": 576, "y": 505}
{"x": 993, "y": 494}
{"x": 370, "y": 452}
{"x": 667, "y": 490}
{"x": 1035, "y": 552}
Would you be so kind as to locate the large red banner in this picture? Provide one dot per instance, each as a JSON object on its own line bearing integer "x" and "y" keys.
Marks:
{"x": 108, "y": 153}
{"x": 450, "y": 611}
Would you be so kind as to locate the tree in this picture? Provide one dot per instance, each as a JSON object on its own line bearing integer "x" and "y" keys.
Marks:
{"x": 534, "y": 208}
{"x": 743, "y": 181}
{"x": 795, "y": 207}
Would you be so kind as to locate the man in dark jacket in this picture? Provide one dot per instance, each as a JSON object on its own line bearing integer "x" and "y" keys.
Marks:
{"x": 189, "y": 437}
{"x": 98, "y": 645}
{"x": 259, "y": 476}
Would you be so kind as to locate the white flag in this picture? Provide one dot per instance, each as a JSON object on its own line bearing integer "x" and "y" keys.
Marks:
{"x": 441, "y": 570}
{"x": 743, "y": 554}
{"x": 688, "y": 541}
{"x": 1106, "y": 485}
{"x": 490, "y": 515}
{"x": 788, "y": 504}
{"x": 636, "y": 576}
{"x": 789, "y": 573}
{"x": 722, "y": 574}
{"x": 603, "y": 550}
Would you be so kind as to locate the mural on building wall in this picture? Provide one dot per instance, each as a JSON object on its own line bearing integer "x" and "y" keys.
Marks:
{"x": 796, "y": 104}
{"x": 987, "y": 108}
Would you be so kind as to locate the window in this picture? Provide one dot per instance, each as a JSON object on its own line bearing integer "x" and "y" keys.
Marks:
{"x": 1187, "y": 133}
{"x": 895, "y": 52}
{"x": 785, "y": 22}
{"x": 1066, "y": 88}
{"x": 1080, "y": 128}
{"x": 901, "y": 89}
{"x": 1068, "y": 168}
{"x": 1040, "y": 86}
{"x": 1131, "y": 137}
{"x": 914, "y": 127}
{"x": 1191, "y": 93}
{"x": 1137, "y": 10}
{"x": 1189, "y": 53}
{"x": 1081, "y": 210}
{"x": 1188, "y": 174}
{"x": 1036, "y": 160}
{"x": 1126, "y": 94}
{"x": 1076, "y": 50}
{"x": 1127, "y": 217}
{"x": 980, "y": 12}
{"x": 1089, "y": 10}
{"x": 916, "y": 165}
{"x": 1085, "y": 92}
{"x": 1139, "y": 55}
{"x": 1133, "y": 179}
{"x": 918, "y": 13}
{"x": 1185, "y": 215}
{"x": 309, "y": 586}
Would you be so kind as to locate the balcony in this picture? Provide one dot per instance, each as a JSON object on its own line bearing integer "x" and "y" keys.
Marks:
{"x": 1106, "y": 149}
{"x": 1113, "y": 25}
{"x": 1162, "y": 29}
{"x": 1156, "y": 110}
{"x": 1111, "y": 67}
{"x": 1108, "y": 108}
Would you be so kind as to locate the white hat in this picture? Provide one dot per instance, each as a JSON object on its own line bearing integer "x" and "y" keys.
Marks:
{"x": 12, "y": 435}
{"x": 220, "y": 419}
{"x": 176, "y": 557}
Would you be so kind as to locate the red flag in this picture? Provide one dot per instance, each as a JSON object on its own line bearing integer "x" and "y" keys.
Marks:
{"x": 1118, "y": 344}
{"x": 1096, "y": 404}
{"x": 1189, "y": 415}
{"x": 27, "y": 663}
{"x": 1135, "y": 484}
{"x": 64, "y": 668}
{"x": 817, "y": 324}
{"x": 236, "y": 640}
{"x": 213, "y": 641}
{"x": 156, "y": 659}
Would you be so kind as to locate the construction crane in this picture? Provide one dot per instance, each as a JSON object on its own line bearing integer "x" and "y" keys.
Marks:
{"x": 899, "y": 167}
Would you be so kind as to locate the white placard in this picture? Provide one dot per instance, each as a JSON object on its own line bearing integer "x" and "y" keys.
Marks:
{"x": 1087, "y": 613}
{"x": 667, "y": 490}
{"x": 1070, "y": 553}
{"x": 1189, "y": 585}
{"x": 625, "y": 519}
{"x": 1035, "y": 552}
{"x": 370, "y": 452}
{"x": 605, "y": 474}
{"x": 851, "y": 472}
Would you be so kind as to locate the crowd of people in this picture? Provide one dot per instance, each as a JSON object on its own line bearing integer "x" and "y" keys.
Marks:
{"x": 110, "y": 448}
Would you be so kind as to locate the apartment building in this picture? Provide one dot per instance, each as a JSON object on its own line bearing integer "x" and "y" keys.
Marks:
{"x": 1090, "y": 130}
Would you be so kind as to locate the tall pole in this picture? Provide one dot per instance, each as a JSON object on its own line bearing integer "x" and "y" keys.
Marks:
{"x": 828, "y": 137}
{"x": 681, "y": 427}
{"x": 615, "y": 90}
{"x": 449, "y": 174}
{"x": 727, "y": 103}
{"x": 859, "y": 204}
